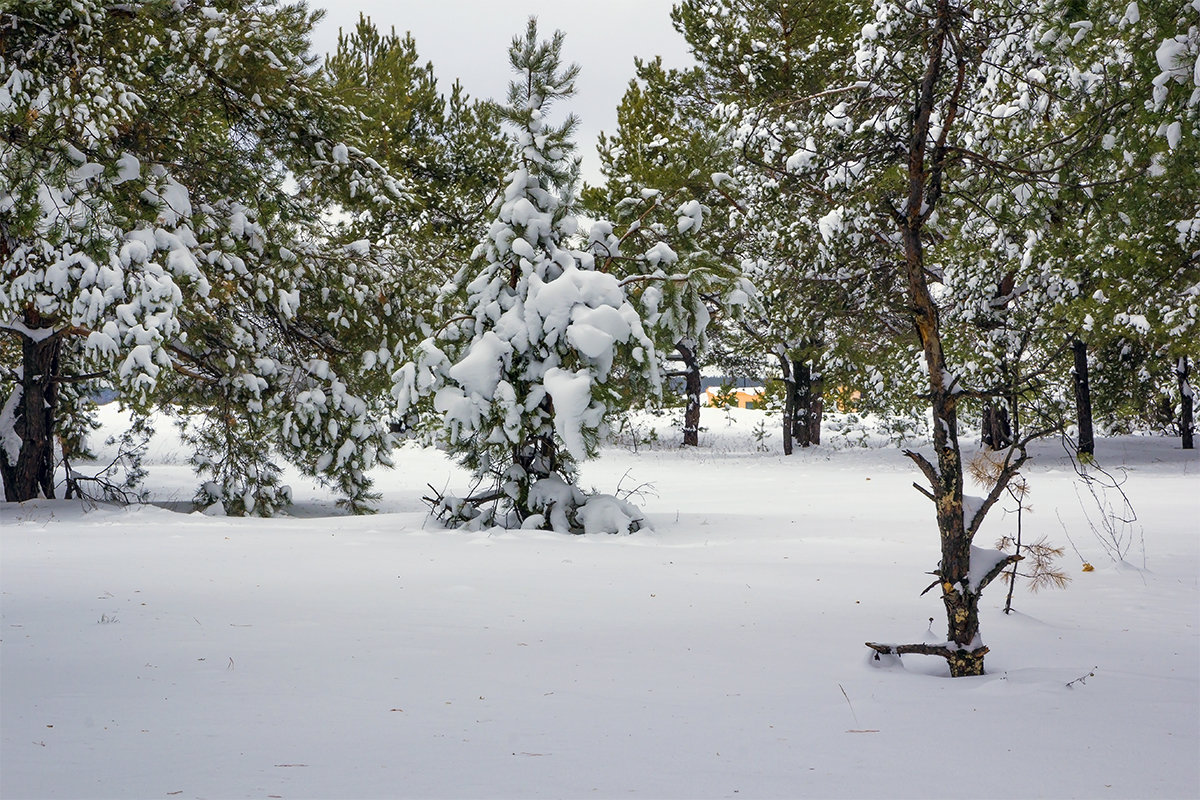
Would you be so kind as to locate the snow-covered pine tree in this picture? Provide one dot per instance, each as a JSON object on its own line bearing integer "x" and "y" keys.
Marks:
{"x": 1128, "y": 262}
{"x": 164, "y": 168}
{"x": 1177, "y": 101}
{"x": 1106, "y": 269}
{"x": 518, "y": 376}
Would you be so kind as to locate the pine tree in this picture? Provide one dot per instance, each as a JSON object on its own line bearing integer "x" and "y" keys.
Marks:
{"x": 959, "y": 186}
{"x": 449, "y": 151}
{"x": 1097, "y": 300}
{"x": 916, "y": 146}
{"x": 518, "y": 375}
{"x": 1130, "y": 266}
{"x": 661, "y": 192}
{"x": 165, "y": 170}
{"x": 1103, "y": 281}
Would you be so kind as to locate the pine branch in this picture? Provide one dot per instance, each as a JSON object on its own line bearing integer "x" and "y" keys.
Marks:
{"x": 928, "y": 469}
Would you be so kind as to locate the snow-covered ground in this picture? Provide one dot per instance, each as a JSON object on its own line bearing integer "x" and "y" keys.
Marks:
{"x": 152, "y": 653}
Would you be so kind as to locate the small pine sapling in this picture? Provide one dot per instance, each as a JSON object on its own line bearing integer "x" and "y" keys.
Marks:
{"x": 724, "y": 397}
{"x": 760, "y": 436}
{"x": 1039, "y": 558}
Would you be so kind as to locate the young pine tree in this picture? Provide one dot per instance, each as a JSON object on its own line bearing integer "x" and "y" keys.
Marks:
{"x": 917, "y": 143}
{"x": 518, "y": 375}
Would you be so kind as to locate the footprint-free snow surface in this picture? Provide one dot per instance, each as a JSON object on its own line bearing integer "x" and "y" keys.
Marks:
{"x": 148, "y": 652}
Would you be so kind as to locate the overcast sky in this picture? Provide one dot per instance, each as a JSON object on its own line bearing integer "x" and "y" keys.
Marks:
{"x": 468, "y": 40}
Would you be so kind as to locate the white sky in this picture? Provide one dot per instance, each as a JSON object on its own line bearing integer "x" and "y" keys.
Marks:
{"x": 468, "y": 40}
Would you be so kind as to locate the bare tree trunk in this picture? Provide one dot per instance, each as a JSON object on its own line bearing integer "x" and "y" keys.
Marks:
{"x": 1187, "y": 424}
{"x": 1012, "y": 576}
{"x": 789, "y": 402}
{"x": 808, "y": 405}
{"x": 997, "y": 433}
{"x": 33, "y": 472}
{"x": 1012, "y": 418}
{"x": 801, "y": 423}
{"x": 1083, "y": 400}
{"x": 816, "y": 410}
{"x": 691, "y": 411}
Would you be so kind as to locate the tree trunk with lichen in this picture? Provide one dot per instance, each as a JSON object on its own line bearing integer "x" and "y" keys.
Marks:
{"x": 963, "y": 650}
{"x": 958, "y": 596}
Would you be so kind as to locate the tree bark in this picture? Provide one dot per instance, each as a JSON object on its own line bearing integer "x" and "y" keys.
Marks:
{"x": 1012, "y": 417}
{"x": 808, "y": 406}
{"x": 1083, "y": 401}
{"x": 537, "y": 457}
{"x": 997, "y": 433}
{"x": 789, "y": 402}
{"x": 1012, "y": 576}
{"x": 802, "y": 380}
{"x": 31, "y": 474}
{"x": 816, "y": 410}
{"x": 1187, "y": 424}
{"x": 691, "y": 412}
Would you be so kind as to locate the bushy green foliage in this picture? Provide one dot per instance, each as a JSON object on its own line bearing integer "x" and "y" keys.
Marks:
{"x": 167, "y": 168}
{"x": 448, "y": 150}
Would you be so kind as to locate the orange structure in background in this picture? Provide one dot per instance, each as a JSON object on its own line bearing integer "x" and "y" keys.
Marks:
{"x": 749, "y": 397}
{"x": 752, "y": 397}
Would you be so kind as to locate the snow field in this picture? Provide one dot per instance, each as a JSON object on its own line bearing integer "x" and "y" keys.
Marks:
{"x": 151, "y": 653}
